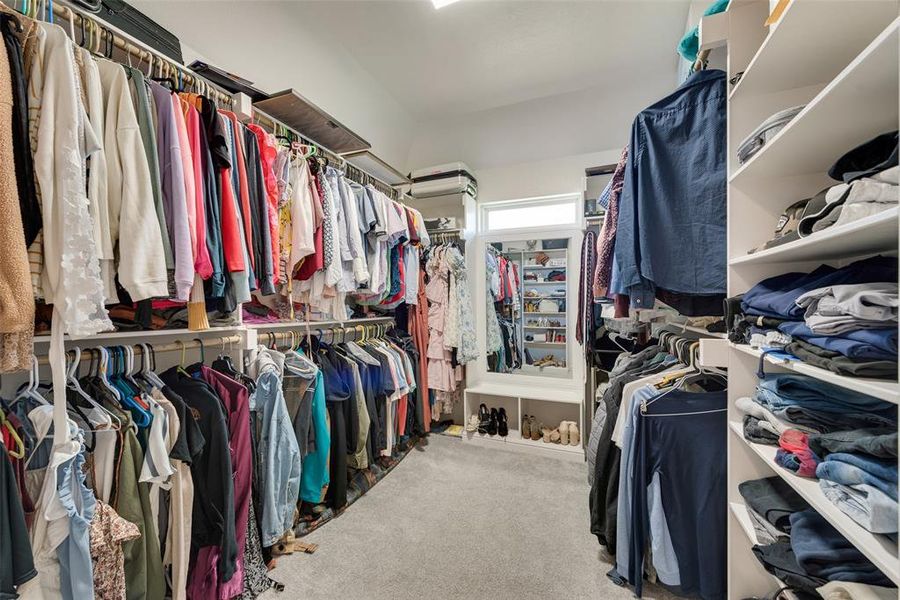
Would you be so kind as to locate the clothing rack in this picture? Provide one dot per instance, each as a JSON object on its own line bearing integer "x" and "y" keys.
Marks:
{"x": 338, "y": 334}
{"x": 445, "y": 235}
{"x": 109, "y": 38}
{"x": 177, "y": 346}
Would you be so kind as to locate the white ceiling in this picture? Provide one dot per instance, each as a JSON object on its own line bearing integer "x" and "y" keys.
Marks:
{"x": 482, "y": 54}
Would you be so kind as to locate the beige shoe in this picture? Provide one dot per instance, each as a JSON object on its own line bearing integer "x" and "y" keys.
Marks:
{"x": 564, "y": 433}
{"x": 546, "y": 431}
{"x": 574, "y": 435}
{"x": 554, "y": 436}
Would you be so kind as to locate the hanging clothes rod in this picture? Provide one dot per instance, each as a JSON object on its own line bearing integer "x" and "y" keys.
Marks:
{"x": 158, "y": 64}
{"x": 338, "y": 334}
{"x": 351, "y": 172}
{"x": 179, "y": 346}
{"x": 112, "y": 37}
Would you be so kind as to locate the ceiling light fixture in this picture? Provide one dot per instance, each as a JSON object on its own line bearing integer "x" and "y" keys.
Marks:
{"x": 442, "y": 3}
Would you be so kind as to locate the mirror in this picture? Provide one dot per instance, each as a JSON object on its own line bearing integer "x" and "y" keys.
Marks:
{"x": 527, "y": 307}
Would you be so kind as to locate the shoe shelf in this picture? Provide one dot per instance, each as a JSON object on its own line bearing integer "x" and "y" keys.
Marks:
{"x": 544, "y": 327}
{"x": 527, "y": 282}
{"x": 546, "y": 344}
{"x": 520, "y": 399}
{"x": 543, "y": 268}
{"x": 514, "y": 441}
{"x": 879, "y": 388}
{"x": 537, "y": 312}
{"x": 871, "y": 235}
{"x": 880, "y": 549}
{"x": 860, "y": 103}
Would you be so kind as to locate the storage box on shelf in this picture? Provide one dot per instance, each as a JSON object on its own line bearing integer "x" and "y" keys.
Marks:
{"x": 840, "y": 59}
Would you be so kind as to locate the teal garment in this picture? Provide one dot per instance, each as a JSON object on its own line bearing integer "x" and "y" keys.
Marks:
{"x": 314, "y": 471}
{"x": 690, "y": 43}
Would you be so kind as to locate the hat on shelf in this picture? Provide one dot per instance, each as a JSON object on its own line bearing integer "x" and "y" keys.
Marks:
{"x": 865, "y": 160}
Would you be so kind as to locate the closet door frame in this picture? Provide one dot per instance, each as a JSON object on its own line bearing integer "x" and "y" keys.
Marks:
{"x": 478, "y": 372}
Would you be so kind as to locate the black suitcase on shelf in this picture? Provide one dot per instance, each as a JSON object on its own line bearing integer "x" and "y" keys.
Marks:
{"x": 134, "y": 22}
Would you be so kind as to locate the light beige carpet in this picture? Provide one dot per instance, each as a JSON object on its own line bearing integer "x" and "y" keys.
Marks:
{"x": 459, "y": 521}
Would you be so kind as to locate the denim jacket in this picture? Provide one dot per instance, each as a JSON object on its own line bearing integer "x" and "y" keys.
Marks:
{"x": 671, "y": 228}
{"x": 278, "y": 448}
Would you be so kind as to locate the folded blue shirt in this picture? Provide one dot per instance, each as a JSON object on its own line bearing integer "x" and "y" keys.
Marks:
{"x": 776, "y": 297}
{"x": 782, "y": 390}
{"x": 862, "y": 344}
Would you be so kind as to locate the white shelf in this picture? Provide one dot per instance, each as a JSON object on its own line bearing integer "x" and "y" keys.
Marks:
{"x": 878, "y": 388}
{"x": 860, "y": 103}
{"x": 543, "y": 326}
{"x": 113, "y": 336}
{"x": 515, "y": 442}
{"x": 791, "y": 57}
{"x": 552, "y": 251}
{"x": 318, "y": 324}
{"x": 746, "y": 522}
{"x": 527, "y": 282}
{"x": 526, "y": 393}
{"x": 561, "y": 312}
{"x": 877, "y": 233}
{"x": 542, "y": 268}
{"x": 546, "y": 344}
{"x": 877, "y": 548}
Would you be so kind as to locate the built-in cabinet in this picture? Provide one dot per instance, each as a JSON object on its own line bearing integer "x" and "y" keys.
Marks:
{"x": 840, "y": 60}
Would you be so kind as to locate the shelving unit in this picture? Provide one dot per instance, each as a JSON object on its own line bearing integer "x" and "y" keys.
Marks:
{"x": 880, "y": 549}
{"x": 840, "y": 60}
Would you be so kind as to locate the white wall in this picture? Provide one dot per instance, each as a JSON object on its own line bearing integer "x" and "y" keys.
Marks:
{"x": 268, "y": 43}
{"x": 540, "y": 147}
{"x": 546, "y": 177}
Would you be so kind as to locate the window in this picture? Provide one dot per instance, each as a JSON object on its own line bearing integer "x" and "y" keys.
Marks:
{"x": 532, "y": 212}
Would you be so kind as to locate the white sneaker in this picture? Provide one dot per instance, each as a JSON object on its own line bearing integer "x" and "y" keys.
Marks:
{"x": 473, "y": 423}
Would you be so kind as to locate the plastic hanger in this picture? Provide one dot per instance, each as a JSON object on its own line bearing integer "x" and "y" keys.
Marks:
{"x": 19, "y": 451}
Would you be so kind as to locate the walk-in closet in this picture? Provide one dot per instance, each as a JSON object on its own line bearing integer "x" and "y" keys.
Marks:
{"x": 450, "y": 299}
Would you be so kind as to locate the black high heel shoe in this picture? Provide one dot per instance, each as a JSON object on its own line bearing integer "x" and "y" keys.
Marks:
{"x": 484, "y": 419}
{"x": 492, "y": 424}
{"x": 502, "y": 423}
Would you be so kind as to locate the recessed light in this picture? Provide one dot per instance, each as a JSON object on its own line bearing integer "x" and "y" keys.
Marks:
{"x": 442, "y": 3}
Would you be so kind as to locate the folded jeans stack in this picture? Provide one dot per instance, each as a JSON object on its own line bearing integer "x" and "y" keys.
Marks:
{"x": 864, "y": 487}
{"x": 816, "y": 406}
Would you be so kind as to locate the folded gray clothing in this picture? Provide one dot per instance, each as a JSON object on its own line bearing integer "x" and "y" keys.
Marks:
{"x": 879, "y": 442}
{"x": 748, "y": 406}
{"x": 773, "y": 499}
{"x": 842, "y": 324}
{"x": 766, "y": 533}
{"x": 870, "y": 507}
{"x": 765, "y": 132}
{"x": 864, "y": 301}
{"x": 840, "y": 364}
{"x": 756, "y": 434}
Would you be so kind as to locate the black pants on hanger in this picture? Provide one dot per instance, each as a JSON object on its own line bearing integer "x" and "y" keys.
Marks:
{"x": 337, "y": 488}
